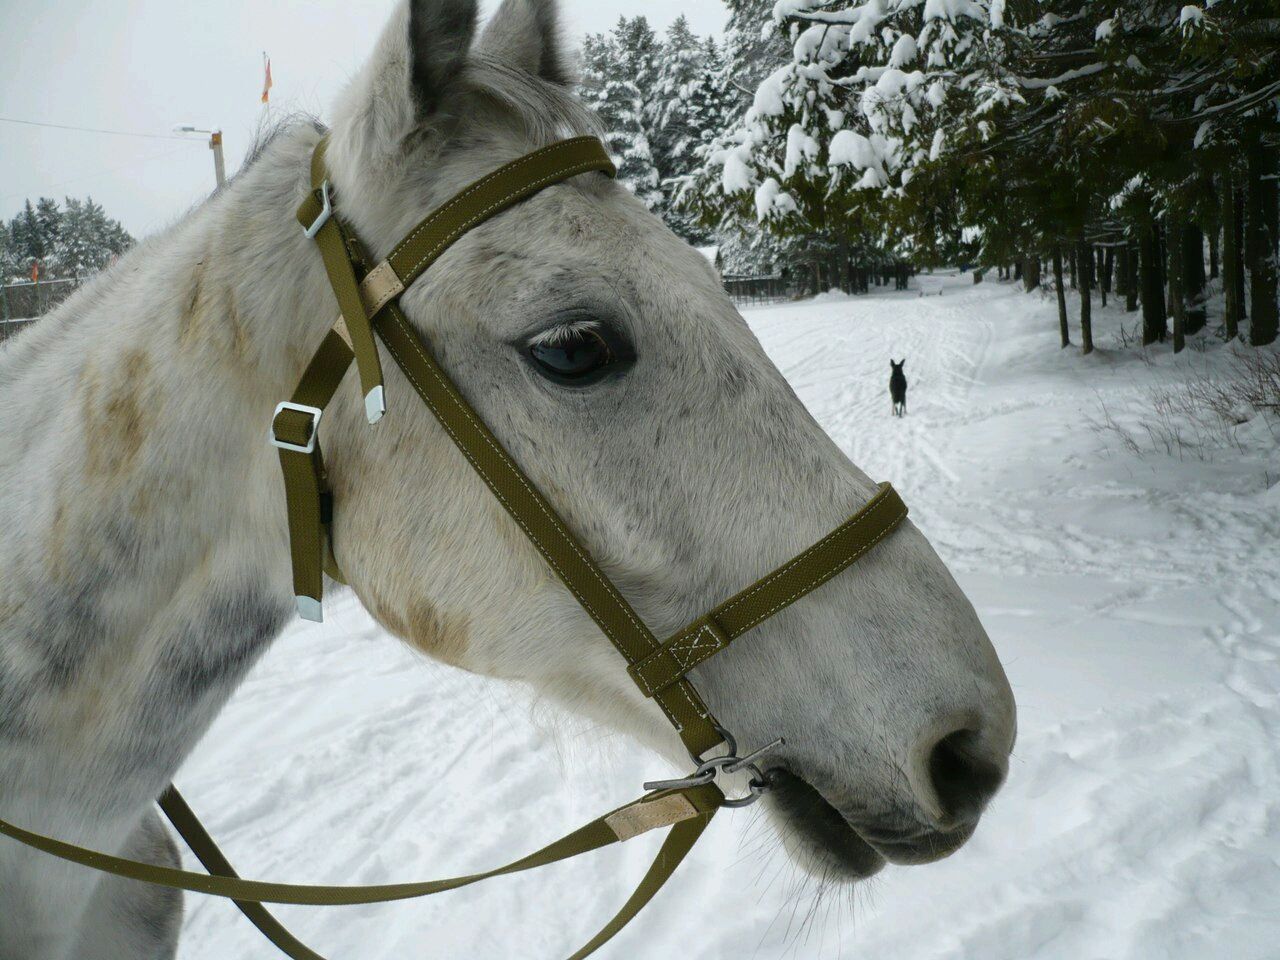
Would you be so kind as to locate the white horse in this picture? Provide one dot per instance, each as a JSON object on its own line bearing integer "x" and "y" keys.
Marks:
{"x": 144, "y": 560}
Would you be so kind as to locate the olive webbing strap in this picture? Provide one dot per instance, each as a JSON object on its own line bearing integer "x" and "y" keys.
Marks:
{"x": 197, "y": 838}
{"x": 492, "y": 194}
{"x": 796, "y": 578}
{"x": 317, "y": 214}
{"x": 686, "y": 811}
{"x": 542, "y": 525}
{"x": 680, "y": 839}
{"x": 305, "y": 490}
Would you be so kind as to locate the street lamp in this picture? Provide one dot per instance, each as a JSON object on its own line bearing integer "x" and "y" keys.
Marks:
{"x": 215, "y": 144}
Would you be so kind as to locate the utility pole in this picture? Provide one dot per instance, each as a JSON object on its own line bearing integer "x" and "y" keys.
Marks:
{"x": 215, "y": 144}
{"x": 219, "y": 169}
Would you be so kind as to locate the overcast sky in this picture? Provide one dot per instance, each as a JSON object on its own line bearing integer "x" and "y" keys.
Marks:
{"x": 148, "y": 65}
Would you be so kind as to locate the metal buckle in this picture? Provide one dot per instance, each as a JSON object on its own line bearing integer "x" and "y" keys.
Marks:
{"x": 314, "y": 412}
{"x": 325, "y": 213}
{"x": 731, "y": 763}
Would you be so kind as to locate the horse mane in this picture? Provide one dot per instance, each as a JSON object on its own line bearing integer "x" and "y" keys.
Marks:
{"x": 545, "y": 110}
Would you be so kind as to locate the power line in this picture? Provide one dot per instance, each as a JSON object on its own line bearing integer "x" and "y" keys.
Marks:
{"x": 90, "y": 174}
{"x": 114, "y": 133}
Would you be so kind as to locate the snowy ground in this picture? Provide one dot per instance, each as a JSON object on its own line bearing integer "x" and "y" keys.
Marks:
{"x": 1135, "y": 601}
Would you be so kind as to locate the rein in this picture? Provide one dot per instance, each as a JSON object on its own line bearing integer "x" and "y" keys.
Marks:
{"x": 368, "y": 298}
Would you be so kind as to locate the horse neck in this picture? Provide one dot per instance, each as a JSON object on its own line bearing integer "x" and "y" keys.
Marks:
{"x": 142, "y": 528}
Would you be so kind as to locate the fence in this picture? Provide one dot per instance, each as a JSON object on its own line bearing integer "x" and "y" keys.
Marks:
{"x": 9, "y": 328}
{"x": 25, "y": 300}
{"x": 743, "y": 290}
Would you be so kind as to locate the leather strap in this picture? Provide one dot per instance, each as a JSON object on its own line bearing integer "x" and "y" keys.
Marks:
{"x": 710, "y": 634}
{"x": 492, "y": 194}
{"x": 367, "y": 297}
{"x": 541, "y": 524}
{"x": 306, "y": 489}
{"x": 686, "y": 821}
{"x": 332, "y": 241}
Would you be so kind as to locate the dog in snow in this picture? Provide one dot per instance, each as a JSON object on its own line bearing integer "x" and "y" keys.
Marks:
{"x": 898, "y": 387}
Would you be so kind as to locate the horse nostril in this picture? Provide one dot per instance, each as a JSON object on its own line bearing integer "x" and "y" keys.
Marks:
{"x": 962, "y": 778}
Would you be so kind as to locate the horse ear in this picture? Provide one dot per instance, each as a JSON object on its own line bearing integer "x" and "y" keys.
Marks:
{"x": 440, "y": 35}
{"x": 525, "y": 34}
{"x": 420, "y": 53}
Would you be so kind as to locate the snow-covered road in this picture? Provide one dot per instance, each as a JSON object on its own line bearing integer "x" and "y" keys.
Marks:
{"x": 1134, "y": 600}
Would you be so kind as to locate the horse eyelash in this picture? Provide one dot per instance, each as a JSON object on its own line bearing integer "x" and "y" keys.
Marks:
{"x": 564, "y": 332}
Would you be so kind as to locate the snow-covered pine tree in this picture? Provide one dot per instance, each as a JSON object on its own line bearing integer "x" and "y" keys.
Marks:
{"x": 30, "y": 235}
{"x": 690, "y": 108}
{"x": 620, "y": 76}
{"x": 73, "y": 241}
{"x": 87, "y": 238}
{"x": 752, "y": 49}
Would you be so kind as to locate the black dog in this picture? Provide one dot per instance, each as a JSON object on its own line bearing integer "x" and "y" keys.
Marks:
{"x": 898, "y": 388}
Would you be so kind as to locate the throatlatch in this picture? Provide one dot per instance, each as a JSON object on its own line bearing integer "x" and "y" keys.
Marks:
{"x": 367, "y": 295}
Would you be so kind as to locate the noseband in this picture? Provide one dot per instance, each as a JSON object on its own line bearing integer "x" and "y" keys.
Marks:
{"x": 367, "y": 296}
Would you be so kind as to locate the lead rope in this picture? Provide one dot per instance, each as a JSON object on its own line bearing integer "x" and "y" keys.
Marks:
{"x": 368, "y": 299}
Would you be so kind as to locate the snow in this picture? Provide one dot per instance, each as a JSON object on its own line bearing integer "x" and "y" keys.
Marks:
{"x": 904, "y": 51}
{"x": 737, "y": 172}
{"x": 1133, "y": 601}
{"x": 768, "y": 100}
{"x": 771, "y": 198}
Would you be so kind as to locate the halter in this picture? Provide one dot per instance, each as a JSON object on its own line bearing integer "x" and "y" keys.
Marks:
{"x": 368, "y": 296}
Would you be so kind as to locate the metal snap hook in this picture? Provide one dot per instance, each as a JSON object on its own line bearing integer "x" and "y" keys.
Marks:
{"x": 730, "y": 763}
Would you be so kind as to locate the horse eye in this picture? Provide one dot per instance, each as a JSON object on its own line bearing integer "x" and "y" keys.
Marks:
{"x": 576, "y": 356}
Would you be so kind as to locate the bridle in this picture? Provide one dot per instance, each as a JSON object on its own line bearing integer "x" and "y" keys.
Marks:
{"x": 368, "y": 298}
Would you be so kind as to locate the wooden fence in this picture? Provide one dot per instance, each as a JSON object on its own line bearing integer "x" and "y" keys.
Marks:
{"x": 744, "y": 290}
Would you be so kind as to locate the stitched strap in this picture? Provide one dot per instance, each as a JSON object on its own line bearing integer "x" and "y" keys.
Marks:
{"x": 703, "y": 801}
{"x": 304, "y": 476}
{"x": 681, "y": 837}
{"x": 797, "y": 577}
{"x": 491, "y": 195}
{"x": 659, "y": 669}
{"x": 540, "y": 523}
{"x": 687, "y": 821}
{"x": 332, "y": 241}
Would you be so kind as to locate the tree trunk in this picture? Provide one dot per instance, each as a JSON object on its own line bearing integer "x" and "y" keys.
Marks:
{"x": 1174, "y": 230}
{"x": 1062, "y": 294}
{"x": 1072, "y": 257}
{"x": 1231, "y": 261}
{"x": 1130, "y": 276}
{"x": 1030, "y": 273}
{"x": 1260, "y": 243}
{"x": 1241, "y": 248}
{"x": 1213, "y": 252}
{"x": 1084, "y": 256}
{"x": 1193, "y": 281}
{"x": 1153, "y": 315}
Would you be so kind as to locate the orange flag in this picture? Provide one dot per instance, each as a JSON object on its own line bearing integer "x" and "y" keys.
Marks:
{"x": 35, "y": 271}
{"x": 266, "y": 80}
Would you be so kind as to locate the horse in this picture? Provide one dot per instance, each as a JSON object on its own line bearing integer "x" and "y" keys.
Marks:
{"x": 144, "y": 559}
{"x": 898, "y": 387}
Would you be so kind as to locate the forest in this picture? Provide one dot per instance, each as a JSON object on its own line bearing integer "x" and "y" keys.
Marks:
{"x": 70, "y": 241}
{"x": 1131, "y": 145}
